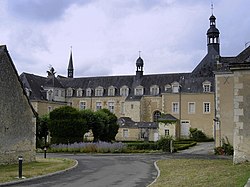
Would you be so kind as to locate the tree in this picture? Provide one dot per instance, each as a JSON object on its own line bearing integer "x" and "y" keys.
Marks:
{"x": 42, "y": 131}
{"x": 93, "y": 122}
{"x": 66, "y": 125}
{"x": 110, "y": 125}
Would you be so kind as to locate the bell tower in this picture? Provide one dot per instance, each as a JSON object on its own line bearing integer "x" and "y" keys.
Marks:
{"x": 139, "y": 66}
{"x": 213, "y": 40}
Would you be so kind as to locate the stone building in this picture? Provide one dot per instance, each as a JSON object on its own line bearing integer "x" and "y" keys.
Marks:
{"x": 17, "y": 117}
{"x": 189, "y": 97}
{"x": 232, "y": 103}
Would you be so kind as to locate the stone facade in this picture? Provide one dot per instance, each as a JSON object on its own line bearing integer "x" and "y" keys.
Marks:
{"x": 17, "y": 120}
{"x": 241, "y": 113}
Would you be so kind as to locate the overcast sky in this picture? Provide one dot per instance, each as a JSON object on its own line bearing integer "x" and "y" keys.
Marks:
{"x": 106, "y": 35}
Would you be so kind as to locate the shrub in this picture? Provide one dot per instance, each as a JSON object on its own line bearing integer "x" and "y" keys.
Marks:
{"x": 198, "y": 135}
{"x": 225, "y": 149}
{"x": 165, "y": 144}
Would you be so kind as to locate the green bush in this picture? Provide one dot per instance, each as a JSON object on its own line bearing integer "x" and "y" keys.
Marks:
{"x": 225, "y": 149}
{"x": 198, "y": 135}
{"x": 164, "y": 144}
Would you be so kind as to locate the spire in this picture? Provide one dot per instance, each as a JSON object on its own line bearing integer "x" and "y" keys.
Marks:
{"x": 70, "y": 66}
{"x": 213, "y": 34}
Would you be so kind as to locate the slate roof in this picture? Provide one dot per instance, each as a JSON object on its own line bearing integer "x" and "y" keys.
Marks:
{"x": 3, "y": 49}
{"x": 126, "y": 122}
{"x": 241, "y": 58}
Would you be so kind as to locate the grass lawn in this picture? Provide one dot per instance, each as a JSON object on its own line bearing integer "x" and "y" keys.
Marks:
{"x": 40, "y": 167}
{"x": 191, "y": 172}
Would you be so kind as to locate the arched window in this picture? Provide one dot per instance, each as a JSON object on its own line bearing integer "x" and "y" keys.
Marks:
{"x": 156, "y": 115}
{"x": 124, "y": 91}
{"x": 111, "y": 91}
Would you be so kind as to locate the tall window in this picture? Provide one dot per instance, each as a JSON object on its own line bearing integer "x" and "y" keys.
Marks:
{"x": 125, "y": 133}
{"x": 157, "y": 115}
{"x": 139, "y": 90}
{"x": 124, "y": 91}
{"x": 82, "y": 105}
{"x": 166, "y": 132}
{"x": 206, "y": 86}
{"x": 154, "y": 90}
{"x": 99, "y": 91}
{"x": 175, "y": 87}
{"x": 122, "y": 108}
{"x": 191, "y": 107}
{"x": 98, "y": 105}
{"x": 88, "y": 92}
{"x": 79, "y": 92}
{"x": 175, "y": 107}
{"x": 206, "y": 107}
{"x": 56, "y": 92}
{"x": 62, "y": 93}
{"x": 111, "y": 106}
{"x": 69, "y": 92}
{"x": 111, "y": 91}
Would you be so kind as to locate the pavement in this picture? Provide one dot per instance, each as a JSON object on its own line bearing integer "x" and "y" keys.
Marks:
{"x": 114, "y": 170}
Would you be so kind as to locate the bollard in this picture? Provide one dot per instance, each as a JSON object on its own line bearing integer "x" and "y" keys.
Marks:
{"x": 20, "y": 164}
{"x": 45, "y": 150}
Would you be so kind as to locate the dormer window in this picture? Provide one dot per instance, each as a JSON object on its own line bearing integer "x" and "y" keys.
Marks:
{"x": 88, "y": 92}
{"x": 154, "y": 90}
{"x": 99, "y": 91}
{"x": 79, "y": 92}
{"x": 167, "y": 87}
{"x": 111, "y": 91}
{"x": 175, "y": 87}
{"x": 206, "y": 86}
{"x": 139, "y": 90}
{"x": 69, "y": 92}
{"x": 124, "y": 91}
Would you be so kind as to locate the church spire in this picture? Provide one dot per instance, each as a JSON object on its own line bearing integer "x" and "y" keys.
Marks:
{"x": 70, "y": 66}
{"x": 213, "y": 34}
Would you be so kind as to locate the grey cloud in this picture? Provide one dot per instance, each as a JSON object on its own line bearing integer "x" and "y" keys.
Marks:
{"x": 41, "y": 10}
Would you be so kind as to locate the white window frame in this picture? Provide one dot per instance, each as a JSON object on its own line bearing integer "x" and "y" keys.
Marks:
{"x": 111, "y": 91}
{"x": 79, "y": 92}
{"x": 98, "y": 105}
{"x": 191, "y": 107}
{"x": 82, "y": 105}
{"x": 166, "y": 132}
{"x": 206, "y": 107}
{"x": 111, "y": 106}
{"x": 99, "y": 91}
{"x": 124, "y": 91}
{"x": 175, "y": 87}
{"x": 154, "y": 90}
{"x": 69, "y": 92}
{"x": 125, "y": 133}
{"x": 175, "y": 107}
{"x": 88, "y": 92}
{"x": 139, "y": 90}
{"x": 206, "y": 86}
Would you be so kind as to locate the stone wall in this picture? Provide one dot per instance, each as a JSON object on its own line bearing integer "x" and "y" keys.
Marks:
{"x": 241, "y": 115}
{"x": 17, "y": 122}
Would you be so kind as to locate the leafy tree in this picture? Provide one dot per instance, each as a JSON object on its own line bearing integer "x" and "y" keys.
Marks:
{"x": 110, "y": 125}
{"x": 93, "y": 122}
{"x": 42, "y": 131}
{"x": 66, "y": 125}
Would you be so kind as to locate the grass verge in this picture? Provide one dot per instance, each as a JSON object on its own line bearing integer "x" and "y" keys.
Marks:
{"x": 205, "y": 173}
{"x": 40, "y": 167}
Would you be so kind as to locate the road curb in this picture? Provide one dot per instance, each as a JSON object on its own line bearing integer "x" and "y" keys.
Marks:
{"x": 158, "y": 173}
{"x": 248, "y": 183}
{"x": 39, "y": 177}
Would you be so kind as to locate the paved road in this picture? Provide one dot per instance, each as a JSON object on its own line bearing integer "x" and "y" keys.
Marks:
{"x": 123, "y": 170}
